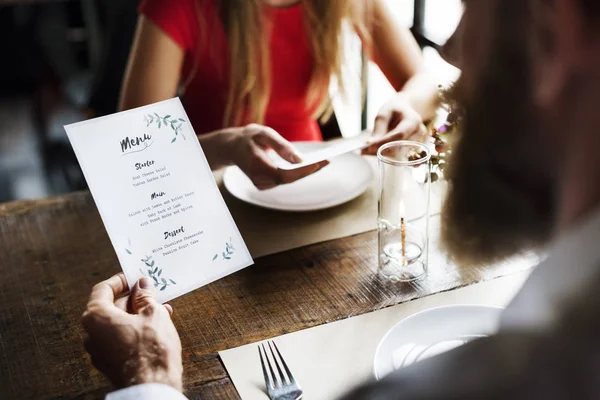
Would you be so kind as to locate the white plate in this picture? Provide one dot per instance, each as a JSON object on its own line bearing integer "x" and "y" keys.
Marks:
{"x": 347, "y": 177}
{"x": 432, "y": 332}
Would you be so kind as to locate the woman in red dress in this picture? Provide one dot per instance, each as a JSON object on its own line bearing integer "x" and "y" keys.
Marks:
{"x": 254, "y": 74}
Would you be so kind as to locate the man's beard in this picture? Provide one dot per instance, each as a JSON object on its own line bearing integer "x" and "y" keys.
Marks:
{"x": 500, "y": 200}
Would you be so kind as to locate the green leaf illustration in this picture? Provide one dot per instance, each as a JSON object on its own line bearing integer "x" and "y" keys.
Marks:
{"x": 182, "y": 120}
{"x": 153, "y": 271}
{"x": 158, "y": 124}
{"x": 163, "y": 288}
{"x": 174, "y": 139}
{"x": 229, "y": 251}
{"x": 167, "y": 116}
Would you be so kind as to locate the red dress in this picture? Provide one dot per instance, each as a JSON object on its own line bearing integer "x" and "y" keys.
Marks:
{"x": 205, "y": 97}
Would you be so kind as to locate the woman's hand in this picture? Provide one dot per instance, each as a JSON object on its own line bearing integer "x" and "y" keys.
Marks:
{"x": 130, "y": 336}
{"x": 249, "y": 147}
{"x": 396, "y": 120}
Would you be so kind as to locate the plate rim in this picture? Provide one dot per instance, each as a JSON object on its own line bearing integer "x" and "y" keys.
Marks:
{"x": 302, "y": 209}
{"x": 388, "y": 333}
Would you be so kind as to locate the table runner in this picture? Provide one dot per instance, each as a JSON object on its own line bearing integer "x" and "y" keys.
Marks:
{"x": 329, "y": 360}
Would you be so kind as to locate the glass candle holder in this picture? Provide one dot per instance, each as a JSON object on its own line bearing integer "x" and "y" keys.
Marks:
{"x": 403, "y": 219}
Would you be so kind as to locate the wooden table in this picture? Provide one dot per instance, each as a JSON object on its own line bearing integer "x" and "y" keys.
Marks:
{"x": 53, "y": 251}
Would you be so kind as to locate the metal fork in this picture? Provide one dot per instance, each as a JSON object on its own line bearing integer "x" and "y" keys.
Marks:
{"x": 278, "y": 387}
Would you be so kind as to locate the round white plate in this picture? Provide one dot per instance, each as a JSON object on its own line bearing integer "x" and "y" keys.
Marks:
{"x": 432, "y": 332}
{"x": 345, "y": 178}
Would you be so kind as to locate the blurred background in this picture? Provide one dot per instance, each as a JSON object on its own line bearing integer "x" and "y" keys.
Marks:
{"x": 63, "y": 61}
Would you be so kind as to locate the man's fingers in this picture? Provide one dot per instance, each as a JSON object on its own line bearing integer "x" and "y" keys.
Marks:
{"x": 270, "y": 138}
{"x": 122, "y": 302}
{"x": 106, "y": 291}
{"x": 169, "y": 309}
{"x": 142, "y": 295}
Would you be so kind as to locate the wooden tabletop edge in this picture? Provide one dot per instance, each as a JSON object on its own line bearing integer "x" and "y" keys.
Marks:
{"x": 18, "y": 207}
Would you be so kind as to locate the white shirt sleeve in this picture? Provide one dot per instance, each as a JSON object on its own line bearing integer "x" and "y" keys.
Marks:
{"x": 147, "y": 391}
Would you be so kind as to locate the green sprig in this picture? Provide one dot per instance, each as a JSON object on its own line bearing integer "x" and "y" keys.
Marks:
{"x": 176, "y": 124}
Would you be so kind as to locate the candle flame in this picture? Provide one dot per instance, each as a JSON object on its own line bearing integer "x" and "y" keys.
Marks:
{"x": 402, "y": 209}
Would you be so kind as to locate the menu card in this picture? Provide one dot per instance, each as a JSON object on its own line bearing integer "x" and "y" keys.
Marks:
{"x": 158, "y": 198}
{"x": 335, "y": 149}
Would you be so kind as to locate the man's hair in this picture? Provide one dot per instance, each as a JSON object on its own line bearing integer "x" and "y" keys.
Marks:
{"x": 592, "y": 6}
{"x": 591, "y": 9}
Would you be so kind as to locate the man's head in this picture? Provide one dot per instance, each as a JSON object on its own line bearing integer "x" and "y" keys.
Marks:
{"x": 530, "y": 75}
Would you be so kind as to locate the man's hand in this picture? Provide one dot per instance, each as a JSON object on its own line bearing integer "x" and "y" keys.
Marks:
{"x": 396, "y": 120}
{"x": 131, "y": 338}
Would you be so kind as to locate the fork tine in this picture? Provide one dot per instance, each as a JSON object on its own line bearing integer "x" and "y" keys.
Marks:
{"x": 283, "y": 380}
{"x": 262, "y": 362}
{"x": 287, "y": 370}
{"x": 276, "y": 382}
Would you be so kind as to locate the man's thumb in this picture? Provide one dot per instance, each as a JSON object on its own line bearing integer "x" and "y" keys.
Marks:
{"x": 142, "y": 295}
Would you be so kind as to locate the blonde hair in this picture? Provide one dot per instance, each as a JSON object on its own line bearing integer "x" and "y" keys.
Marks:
{"x": 247, "y": 30}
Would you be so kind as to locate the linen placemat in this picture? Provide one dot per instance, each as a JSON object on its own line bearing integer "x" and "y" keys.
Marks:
{"x": 329, "y": 360}
{"x": 269, "y": 231}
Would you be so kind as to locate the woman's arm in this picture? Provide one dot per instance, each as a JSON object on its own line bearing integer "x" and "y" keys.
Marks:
{"x": 399, "y": 57}
{"x": 396, "y": 52}
{"x": 153, "y": 74}
{"x": 154, "y": 67}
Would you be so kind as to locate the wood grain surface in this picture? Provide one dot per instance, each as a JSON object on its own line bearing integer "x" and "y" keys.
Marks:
{"x": 53, "y": 251}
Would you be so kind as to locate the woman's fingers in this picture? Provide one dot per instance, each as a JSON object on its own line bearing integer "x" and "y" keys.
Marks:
{"x": 262, "y": 171}
{"x": 289, "y": 176}
{"x": 265, "y": 175}
{"x": 406, "y": 130}
{"x": 382, "y": 123}
{"x": 269, "y": 138}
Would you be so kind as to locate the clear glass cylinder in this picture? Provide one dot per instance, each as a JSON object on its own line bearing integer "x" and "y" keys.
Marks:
{"x": 403, "y": 219}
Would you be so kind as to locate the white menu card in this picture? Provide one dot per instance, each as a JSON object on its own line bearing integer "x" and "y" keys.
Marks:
{"x": 158, "y": 198}
{"x": 337, "y": 148}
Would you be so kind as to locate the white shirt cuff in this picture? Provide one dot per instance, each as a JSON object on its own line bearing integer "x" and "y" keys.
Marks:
{"x": 147, "y": 391}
